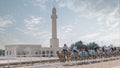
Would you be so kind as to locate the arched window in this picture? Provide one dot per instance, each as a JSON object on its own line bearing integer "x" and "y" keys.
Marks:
{"x": 39, "y": 52}
{"x": 47, "y": 52}
{"x": 7, "y": 52}
{"x": 36, "y": 53}
{"x": 10, "y": 52}
{"x": 51, "y": 53}
{"x": 43, "y": 53}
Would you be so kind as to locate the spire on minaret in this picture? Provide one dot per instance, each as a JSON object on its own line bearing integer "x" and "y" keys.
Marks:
{"x": 54, "y": 13}
{"x": 54, "y": 10}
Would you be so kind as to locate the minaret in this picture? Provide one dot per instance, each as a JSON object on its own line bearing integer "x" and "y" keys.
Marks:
{"x": 54, "y": 41}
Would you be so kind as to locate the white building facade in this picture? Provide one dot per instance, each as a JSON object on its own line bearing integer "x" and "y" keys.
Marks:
{"x": 28, "y": 50}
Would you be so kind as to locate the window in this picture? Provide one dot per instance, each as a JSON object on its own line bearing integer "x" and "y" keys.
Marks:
{"x": 43, "y": 54}
{"x": 36, "y": 53}
{"x": 51, "y": 53}
{"x": 47, "y": 52}
{"x": 7, "y": 52}
{"x": 39, "y": 52}
{"x": 10, "y": 53}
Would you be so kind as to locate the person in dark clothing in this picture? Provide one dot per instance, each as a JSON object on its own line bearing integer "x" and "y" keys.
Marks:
{"x": 95, "y": 48}
{"x": 103, "y": 49}
{"x": 85, "y": 48}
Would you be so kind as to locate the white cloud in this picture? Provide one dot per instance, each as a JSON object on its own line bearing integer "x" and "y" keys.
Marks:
{"x": 90, "y": 9}
{"x": 90, "y": 36}
{"x": 107, "y": 38}
{"x": 6, "y": 38}
{"x": 32, "y": 26}
{"x": 67, "y": 28}
{"x": 65, "y": 34}
{"x": 113, "y": 18}
{"x": 35, "y": 28}
{"x": 106, "y": 12}
{"x": 110, "y": 36}
{"x": 2, "y": 29}
{"x": 32, "y": 22}
{"x": 41, "y": 3}
{"x": 44, "y": 4}
{"x": 5, "y": 21}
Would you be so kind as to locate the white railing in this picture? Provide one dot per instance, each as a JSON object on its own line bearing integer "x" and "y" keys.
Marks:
{"x": 9, "y": 61}
{"x": 116, "y": 67}
{"x": 76, "y": 63}
{"x": 12, "y": 60}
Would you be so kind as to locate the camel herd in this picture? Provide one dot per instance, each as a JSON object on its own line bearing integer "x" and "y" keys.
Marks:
{"x": 90, "y": 54}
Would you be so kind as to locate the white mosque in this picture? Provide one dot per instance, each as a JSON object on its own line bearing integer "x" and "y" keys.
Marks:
{"x": 37, "y": 50}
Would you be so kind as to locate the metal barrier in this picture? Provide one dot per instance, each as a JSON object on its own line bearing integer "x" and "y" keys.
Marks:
{"x": 76, "y": 63}
{"x": 116, "y": 67}
{"x": 22, "y": 59}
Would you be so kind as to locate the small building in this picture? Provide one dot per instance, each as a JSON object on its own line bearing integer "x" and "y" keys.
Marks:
{"x": 28, "y": 50}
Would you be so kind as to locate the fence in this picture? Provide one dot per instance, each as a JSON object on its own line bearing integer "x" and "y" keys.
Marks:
{"x": 79, "y": 64}
{"x": 21, "y": 60}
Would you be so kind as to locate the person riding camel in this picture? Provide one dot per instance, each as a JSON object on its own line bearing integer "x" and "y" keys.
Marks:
{"x": 65, "y": 49}
{"x": 85, "y": 48}
{"x": 95, "y": 48}
{"x": 74, "y": 52}
{"x": 103, "y": 49}
{"x": 75, "y": 49}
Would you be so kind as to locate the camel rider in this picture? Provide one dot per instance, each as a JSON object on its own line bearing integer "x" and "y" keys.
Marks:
{"x": 103, "y": 50}
{"x": 85, "y": 48}
{"x": 74, "y": 48}
{"x": 74, "y": 51}
{"x": 65, "y": 49}
{"x": 95, "y": 48}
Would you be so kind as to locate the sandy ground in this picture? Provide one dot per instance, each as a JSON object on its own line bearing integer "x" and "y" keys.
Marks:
{"x": 108, "y": 64}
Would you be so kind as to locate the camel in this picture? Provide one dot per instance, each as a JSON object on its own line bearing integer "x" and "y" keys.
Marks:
{"x": 61, "y": 56}
{"x": 64, "y": 57}
{"x": 75, "y": 56}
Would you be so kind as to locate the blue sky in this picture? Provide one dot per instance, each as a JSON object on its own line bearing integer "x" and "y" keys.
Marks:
{"x": 29, "y": 21}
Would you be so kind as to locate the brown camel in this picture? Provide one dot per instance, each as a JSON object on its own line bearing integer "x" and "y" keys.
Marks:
{"x": 64, "y": 57}
{"x": 61, "y": 56}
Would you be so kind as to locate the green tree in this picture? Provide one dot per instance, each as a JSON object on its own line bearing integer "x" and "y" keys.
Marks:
{"x": 91, "y": 45}
{"x": 2, "y": 52}
{"x": 79, "y": 44}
